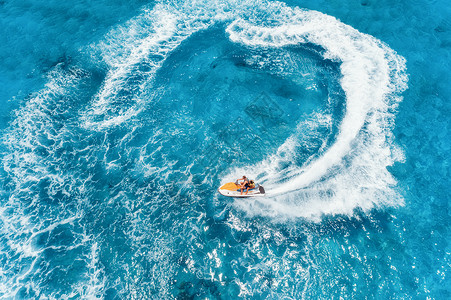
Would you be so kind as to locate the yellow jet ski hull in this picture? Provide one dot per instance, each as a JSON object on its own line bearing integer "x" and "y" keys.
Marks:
{"x": 231, "y": 189}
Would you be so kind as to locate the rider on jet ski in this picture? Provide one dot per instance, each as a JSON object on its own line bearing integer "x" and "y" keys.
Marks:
{"x": 246, "y": 184}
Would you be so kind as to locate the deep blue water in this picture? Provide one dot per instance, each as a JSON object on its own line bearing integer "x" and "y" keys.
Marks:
{"x": 120, "y": 119}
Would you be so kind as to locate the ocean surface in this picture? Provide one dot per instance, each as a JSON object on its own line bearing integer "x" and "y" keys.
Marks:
{"x": 120, "y": 119}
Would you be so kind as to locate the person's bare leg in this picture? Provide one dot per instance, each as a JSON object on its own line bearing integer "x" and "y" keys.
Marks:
{"x": 246, "y": 191}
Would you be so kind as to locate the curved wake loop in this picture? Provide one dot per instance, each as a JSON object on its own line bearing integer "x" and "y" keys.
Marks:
{"x": 352, "y": 172}
{"x": 133, "y": 55}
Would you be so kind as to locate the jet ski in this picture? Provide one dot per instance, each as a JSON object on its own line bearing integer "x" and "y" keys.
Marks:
{"x": 232, "y": 189}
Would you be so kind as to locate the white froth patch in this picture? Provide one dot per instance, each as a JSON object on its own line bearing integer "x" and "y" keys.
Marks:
{"x": 94, "y": 286}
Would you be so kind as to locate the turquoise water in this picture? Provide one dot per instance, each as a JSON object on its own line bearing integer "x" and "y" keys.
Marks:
{"x": 120, "y": 119}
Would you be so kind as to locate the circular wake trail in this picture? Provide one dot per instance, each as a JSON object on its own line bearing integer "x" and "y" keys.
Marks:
{"x": 352, "y": 172}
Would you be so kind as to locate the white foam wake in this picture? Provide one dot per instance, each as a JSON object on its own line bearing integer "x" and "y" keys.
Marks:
{"x": 147, "y": 40}
{"x": 351, "y": 173}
